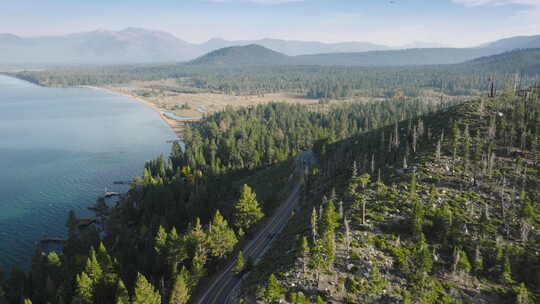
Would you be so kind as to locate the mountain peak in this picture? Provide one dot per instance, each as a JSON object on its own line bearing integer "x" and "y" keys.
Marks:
{"x": 251, "y": 54}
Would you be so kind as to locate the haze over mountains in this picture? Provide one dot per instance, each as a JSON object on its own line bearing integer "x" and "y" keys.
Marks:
{"x": 135, "y": 45}
{"x": 256, "y": 55}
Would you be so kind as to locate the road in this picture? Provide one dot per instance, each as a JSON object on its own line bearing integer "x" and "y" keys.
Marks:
{"x": 220, "y": 290}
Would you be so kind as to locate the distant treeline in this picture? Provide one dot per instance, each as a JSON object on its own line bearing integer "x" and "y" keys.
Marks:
{"x": 319, "y": 82}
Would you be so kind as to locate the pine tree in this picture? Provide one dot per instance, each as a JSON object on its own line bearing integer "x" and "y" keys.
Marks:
{"x": 221, "y": 238}
{"x": 145, "y": 293}
{"x": 160, "y": 241}
{"x": 314, "y": 220}
{"x": 463, "y": 264}
{"x": 303, "y": 251}
{"x": 180, "y": 291}
{"x": 330, "y": 218}
{"x": 523, "y": 296}
{"x": 424, "y": 260}
{"x": 247, "y": 210}
{"x": 240, "y": 263}
{"x": 418, "y": 218}
{"x": 361, "y": 198}
{"x": 27, "y": 301}
{"x": 176, "y": 250}
{"x": 83, "y": 289}
{"x": 93, "y": 268}
{"x": 478, "y": 261}
{"x": 122, "y": 296}
{"x": 506, "y": 275}
{"x": 197, "y": 264}
{"x": 320, "y": 300}
{"x": 104, "y": 258}
{"x": 351, "y": 189}
{"x": 273, "y": 291}
{"x": 299, "y": 298}
{"x": 319, "y": 254}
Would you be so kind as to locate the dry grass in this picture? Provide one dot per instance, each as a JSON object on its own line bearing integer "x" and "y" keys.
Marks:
{"x": 169, "y": 96}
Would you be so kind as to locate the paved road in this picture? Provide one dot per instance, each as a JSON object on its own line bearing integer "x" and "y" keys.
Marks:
{"x": 220, "y": 290}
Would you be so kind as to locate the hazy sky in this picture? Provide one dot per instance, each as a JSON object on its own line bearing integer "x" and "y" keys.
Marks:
{"x": 392, "y": 22}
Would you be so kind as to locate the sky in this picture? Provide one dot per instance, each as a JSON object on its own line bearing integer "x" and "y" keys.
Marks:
{"x": 390, "y": 22}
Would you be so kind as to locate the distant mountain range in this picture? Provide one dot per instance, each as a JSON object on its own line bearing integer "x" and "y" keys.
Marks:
{"x": 293, "y": 48}
{"x": 256, "y": 55}
{"x": 524, "y": 61}
{"x": 135, "y": 45}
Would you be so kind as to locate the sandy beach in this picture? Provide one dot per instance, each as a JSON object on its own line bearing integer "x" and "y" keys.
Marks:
{"x": 176, "y": 125}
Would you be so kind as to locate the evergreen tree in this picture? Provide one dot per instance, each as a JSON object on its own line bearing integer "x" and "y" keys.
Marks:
{"x": 361, "y": 198}
{"x": 303, "y": 249}
{"x": 330, "y": 218}
{"x": 303, "y": 252}
{"x": 197, "y": 264}
{"x": 299, "y": 298}
{"x": 320, "y": 300}
{"x": 145, "y": 293}
{"x": 463, "y": 264}
{"x": 523, "y": 296}
{"x": 319, "y": 256}
{"x": 351, "y": 189}
{"x": 27, "y": 301}
{"x": 424, "y": 261}
{"x": 506, "y": 275}
{"x": 418, "y": 218}
{"x": 83, "y": 289}
{"x": 314, "y": 220}
{"x": 478, "y": 261}
{"x": 160, "y": 241}
{"x": 93, "y": 268}
{"x": 247, "y": 210}
{"x": 221, "y": 238}
{"x": 176, "y": 250}
{"x": 240, "y": 263}
{"x": 273, "y": 291}
{"x": 196, "y": 236}
{"x": 180, "y": 291}
{"x": 122, "y": 296}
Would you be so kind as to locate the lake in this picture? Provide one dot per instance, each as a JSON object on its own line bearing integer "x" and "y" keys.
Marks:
{"x": 60, "y": 148}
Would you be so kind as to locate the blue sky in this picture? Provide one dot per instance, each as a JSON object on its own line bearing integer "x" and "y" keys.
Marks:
{"x": 391, "y": 22}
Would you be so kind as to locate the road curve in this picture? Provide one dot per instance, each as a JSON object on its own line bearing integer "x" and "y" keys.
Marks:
{"x": 225, "y": 283}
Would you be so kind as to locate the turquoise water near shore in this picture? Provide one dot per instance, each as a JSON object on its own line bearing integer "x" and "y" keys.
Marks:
{"x": 59, "y": 149}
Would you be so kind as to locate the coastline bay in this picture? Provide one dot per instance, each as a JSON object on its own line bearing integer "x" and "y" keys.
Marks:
{"x": 59, "y": 149}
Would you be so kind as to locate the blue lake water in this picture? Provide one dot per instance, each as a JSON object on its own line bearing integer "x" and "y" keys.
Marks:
{"x": 59, "y": 150}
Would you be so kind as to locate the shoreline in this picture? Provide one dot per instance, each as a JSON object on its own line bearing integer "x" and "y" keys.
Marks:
{"x": 175, "y": 125}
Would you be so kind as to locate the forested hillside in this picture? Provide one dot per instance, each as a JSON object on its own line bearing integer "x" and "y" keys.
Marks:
{"x": 252, "y": 54}
{"x": 186, "y": 214}
{"x": 319, "y": 82}
{"x": 441, "y": 208}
